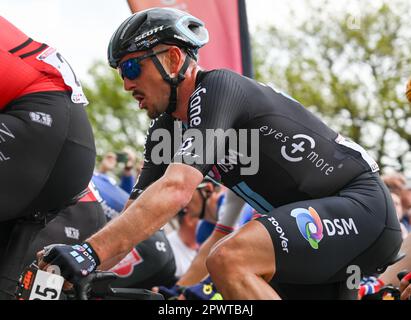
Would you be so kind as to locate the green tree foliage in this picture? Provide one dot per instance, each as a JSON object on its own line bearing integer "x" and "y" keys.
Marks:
{"x": 349, "y": 67}
{"x": 117, "y": 122}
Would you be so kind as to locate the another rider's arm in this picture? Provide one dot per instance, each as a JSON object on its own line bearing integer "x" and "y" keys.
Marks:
{"x": 150, "y": 172}
{"x": 152, "y": 210}
{"x": 229, "y": 213}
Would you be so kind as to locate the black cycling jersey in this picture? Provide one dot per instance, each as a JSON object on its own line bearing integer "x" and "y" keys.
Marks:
{"x": 320, "y": 196}
{"x": 299, "y": 157}
{"x": 151, "y": 171}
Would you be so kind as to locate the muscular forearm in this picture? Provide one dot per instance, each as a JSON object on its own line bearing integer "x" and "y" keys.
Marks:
{"x": 152, "y": 210}
{"x": 198, "y": 270}
{"x": 146, "y": 215}
{"x": 110, "y": 263}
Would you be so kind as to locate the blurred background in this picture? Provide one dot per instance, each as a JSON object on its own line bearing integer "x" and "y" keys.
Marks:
{"x": 347, "y": 61}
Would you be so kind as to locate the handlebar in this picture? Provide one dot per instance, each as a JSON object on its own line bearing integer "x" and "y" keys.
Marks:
{"x": 97, "y": 285}
{"x": 83, "y": 288}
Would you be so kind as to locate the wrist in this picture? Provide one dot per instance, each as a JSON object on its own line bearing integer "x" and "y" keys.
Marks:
{"x": 89, "y": 248}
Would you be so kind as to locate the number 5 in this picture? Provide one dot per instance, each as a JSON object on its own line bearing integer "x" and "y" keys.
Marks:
{"x": 46, "y": 291}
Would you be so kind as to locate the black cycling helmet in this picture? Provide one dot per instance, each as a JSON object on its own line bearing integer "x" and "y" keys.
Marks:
{"x": 146, "y": 29}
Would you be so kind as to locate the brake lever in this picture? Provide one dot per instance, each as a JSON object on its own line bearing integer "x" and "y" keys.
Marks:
{"x": 96, "y": 284}
{"x": 83, "y": 287}
{"x": 100, "y": 286}
{"x": 101, "y": 283}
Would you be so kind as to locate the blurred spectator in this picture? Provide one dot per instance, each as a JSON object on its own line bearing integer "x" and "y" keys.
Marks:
{"x": 400, "y": 213}
{"x": 406, "y": 204}
{"x": 395, "y": 182}
{"x": 108, "y": 165}
{"x": 113, "y": 197}
{"x": 214, "y": 195}
{"x": 183, "y": 241}
{"x": 131, "y": 169}
{"x": 121, "y": 168}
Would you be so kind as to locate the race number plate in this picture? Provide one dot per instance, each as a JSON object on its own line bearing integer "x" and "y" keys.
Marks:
{"x": 35, "y": 284}
{"x": 55, "y": 59}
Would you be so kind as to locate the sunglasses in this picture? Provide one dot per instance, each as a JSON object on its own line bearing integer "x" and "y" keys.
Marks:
{"x": 131, "y": 68}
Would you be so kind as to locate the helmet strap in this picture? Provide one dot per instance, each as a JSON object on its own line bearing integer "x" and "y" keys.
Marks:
{"x": 204, "y": 204}
{"x": 174, "y": 82}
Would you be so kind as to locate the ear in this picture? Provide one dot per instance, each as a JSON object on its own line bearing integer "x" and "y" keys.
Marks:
{"x": 176, "y": 59}
{"x": 210, "y": 187}
{"x": 208, "y": 190}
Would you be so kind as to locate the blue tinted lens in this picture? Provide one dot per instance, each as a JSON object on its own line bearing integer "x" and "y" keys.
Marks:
{"x": 130, "y": 69}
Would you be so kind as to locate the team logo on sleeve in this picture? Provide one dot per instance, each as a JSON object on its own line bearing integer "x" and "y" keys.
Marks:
{"x": 195, "y": 106}
{"x": 309, "y": 224}
{"x": 126, "y": 266}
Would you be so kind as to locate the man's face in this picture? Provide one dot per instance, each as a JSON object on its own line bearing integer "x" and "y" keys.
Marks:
{"x": 149, "y": 88}
{"x": 195, "y": 206}
{"x": 109, "y": 162}
{"x": 406, "y": 199}
{"x": 398, "y": 207}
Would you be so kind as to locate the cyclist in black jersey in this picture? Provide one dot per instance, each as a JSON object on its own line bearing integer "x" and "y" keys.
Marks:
{"x": 324, "y": 206}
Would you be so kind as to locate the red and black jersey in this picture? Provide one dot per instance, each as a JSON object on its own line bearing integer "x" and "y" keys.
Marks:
{"x": 21, "y": 72}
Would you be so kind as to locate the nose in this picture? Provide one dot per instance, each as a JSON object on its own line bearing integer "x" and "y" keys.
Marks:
{"x": 129, "y": 85}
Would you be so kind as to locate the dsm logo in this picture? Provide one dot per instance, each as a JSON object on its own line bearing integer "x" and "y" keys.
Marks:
{"x": 312, "y": 227}
{"x": 309, "y": 224}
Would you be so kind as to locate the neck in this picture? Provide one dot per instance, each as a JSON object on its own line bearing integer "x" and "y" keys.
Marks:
{"x": 184, "y": 92}
{"x": 188, "y": 237}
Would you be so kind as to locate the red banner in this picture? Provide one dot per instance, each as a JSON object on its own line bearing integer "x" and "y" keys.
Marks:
{"x": 222, "y": 19}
